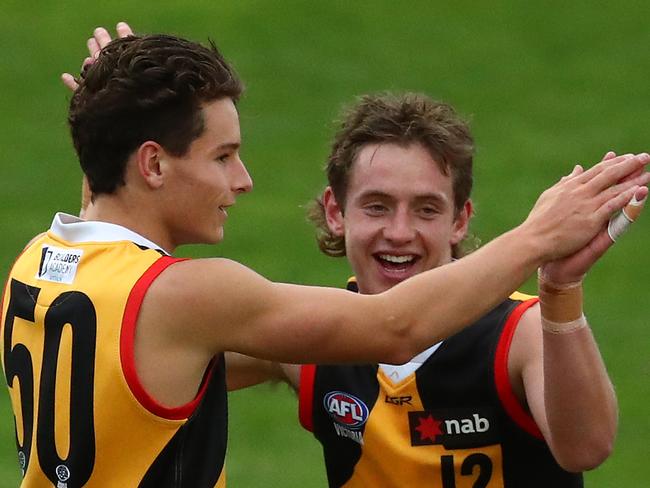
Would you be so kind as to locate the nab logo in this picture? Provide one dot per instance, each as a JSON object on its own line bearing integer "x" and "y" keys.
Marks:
{"x": 345, "y": 409}
{"x": 453, "y": 429}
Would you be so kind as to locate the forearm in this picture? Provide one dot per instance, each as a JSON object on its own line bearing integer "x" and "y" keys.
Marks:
{"x": 580, "y": 402}
{"x": 243, "y": 371}
{"x": 461, "y": 292}
{"x": 579, "y": 399}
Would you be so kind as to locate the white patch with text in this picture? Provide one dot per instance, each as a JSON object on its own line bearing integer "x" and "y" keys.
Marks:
{"x": 58, "y": 264}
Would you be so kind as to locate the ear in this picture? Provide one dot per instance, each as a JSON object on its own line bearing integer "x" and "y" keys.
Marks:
{"x": 461, "y": 223}
{"x": 333, "y": 213}
{"x": 149, "y": 157}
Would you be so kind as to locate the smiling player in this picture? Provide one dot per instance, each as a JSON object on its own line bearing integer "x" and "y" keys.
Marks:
{"x": 109, "y": 341}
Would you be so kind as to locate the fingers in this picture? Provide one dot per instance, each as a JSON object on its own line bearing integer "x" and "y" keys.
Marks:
{"x": 102, "y": 37}
{"x": 599, "y": 245}
{"x": 602, "y": 166}
{"x": 638, "y": 181}
{"x": 617, "y": 172}
{"x": 615, "y": 204}
{"x": 641, "y": 193}
{"x": 93, "y": 47}
{"x": 609, "y": 155}
{"x": 69, "y": 81}
{"x": 124, "y": 30}
{"x": 577, "y": 169}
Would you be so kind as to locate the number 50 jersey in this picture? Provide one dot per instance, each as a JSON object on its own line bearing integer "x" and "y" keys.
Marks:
{"x": 69, "y": 312}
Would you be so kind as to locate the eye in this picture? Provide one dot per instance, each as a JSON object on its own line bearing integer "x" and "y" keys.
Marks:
{"x": 222, "y": 158}
{"x": 375, "y": 209}
{"x": 428, "y": 211}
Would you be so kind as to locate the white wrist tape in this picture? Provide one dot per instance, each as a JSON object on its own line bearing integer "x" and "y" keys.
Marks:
{"x": 564, "y": 327}
{"x": 620, "y": 222}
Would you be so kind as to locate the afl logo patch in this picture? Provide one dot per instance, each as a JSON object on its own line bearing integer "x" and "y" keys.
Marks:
{"x": 345, "y": 409}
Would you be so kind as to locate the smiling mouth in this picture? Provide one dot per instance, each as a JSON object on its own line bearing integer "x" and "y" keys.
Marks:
{"x": 396, "y": 263}
{"x": 224, "y": 209}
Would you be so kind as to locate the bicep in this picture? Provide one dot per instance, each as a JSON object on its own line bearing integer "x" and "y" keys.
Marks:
{"x": 229, "y": 307}
{"x": 298, "y": 324}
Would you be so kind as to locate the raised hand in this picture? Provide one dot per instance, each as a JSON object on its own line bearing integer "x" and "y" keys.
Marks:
{"x": 571, "y": 214}
{"x": 573, "y": 267}
{"x": 95, "y": 44}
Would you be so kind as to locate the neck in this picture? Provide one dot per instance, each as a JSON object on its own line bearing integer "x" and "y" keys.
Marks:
{"x": 136, "y": 217}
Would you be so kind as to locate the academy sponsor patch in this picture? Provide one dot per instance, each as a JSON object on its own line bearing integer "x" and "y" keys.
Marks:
{"x": 58, "y": 265}
{"x": 453, "y": 428}
{"x": 348, "y": 412}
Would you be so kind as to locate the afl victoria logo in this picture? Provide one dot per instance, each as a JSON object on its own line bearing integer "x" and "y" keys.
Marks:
{"x": 345, "y": 409}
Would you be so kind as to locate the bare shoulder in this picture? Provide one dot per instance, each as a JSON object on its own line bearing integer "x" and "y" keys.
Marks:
{"x": 194, "y": 300}
{"x": 202, "y": 281}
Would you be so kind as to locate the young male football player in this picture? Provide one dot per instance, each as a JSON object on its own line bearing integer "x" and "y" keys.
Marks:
{"x": 109, "y": 341}
{"x": 519, "y": 398}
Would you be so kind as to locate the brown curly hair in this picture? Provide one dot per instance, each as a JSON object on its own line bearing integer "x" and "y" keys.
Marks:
{"x": 405, "y": 119}
{"x": 144, "y": 88}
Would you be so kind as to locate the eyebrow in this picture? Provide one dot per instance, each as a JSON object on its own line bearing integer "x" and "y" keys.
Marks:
{"x": 228, "y": 145}
{"x": 437, "y": 197}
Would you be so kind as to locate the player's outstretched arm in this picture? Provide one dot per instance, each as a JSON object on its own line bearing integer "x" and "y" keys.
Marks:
{"x": 563, "y": 375}
{"x": 223, "y": 305}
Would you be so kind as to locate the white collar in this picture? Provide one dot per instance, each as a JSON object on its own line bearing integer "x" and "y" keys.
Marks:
{"x": 397, "y": 372}
{"x": 76, "y": 230}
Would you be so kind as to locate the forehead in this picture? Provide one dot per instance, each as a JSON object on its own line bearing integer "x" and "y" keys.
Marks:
{"x": 399, "y": 171}
{"x": 221, "y": 123}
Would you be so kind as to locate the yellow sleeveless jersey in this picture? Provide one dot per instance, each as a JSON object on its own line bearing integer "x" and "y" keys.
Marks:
{"x": 69, "y": 312}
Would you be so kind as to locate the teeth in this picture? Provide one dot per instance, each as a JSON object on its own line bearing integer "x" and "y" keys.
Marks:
{"x": 397, "y": 259}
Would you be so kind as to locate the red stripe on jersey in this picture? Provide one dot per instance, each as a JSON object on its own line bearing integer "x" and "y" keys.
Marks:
{"x": 306, "y": 396}
{"x": 507, "y": 396}
{"x": 127, "y": 350}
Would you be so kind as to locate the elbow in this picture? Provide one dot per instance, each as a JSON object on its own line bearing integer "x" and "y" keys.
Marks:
{"x": 403, "y": 344}
{"x": 586, "y": 457}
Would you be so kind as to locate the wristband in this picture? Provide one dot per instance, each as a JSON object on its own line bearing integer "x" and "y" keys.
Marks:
{"x": 564, "y": 327}
{"x": 560, "y": 303}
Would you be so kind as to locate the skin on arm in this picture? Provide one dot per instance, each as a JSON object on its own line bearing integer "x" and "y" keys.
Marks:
{"x": 183, "y": 323}
{"x": 243, "y": 371}
{"x": 563, "y": 382}
{"x": 200, "y": 307}
{"x": 449, "y": 286}
{"x": 562, "y": 377}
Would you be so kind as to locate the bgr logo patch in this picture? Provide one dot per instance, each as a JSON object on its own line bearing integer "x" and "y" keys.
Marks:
{"x": 58, "y": 264}
{"x": 346, "y": 410}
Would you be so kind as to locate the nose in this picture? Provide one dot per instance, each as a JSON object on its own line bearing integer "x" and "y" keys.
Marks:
{"x": 242, "y": 181}
{"x": 399, "y": 229}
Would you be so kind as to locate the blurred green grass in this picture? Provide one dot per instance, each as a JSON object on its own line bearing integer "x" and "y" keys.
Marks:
{"x": 545, "y": 86}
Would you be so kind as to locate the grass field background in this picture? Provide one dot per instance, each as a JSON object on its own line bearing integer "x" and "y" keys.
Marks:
{"x": 545, "y": 86}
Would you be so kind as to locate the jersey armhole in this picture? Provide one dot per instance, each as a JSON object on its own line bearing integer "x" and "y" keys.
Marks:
{"x": 506, "y": 394}
{"x": 306, "y": 396}
{"x": 127, "y": 350}
{"x": 6, "y": 287}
